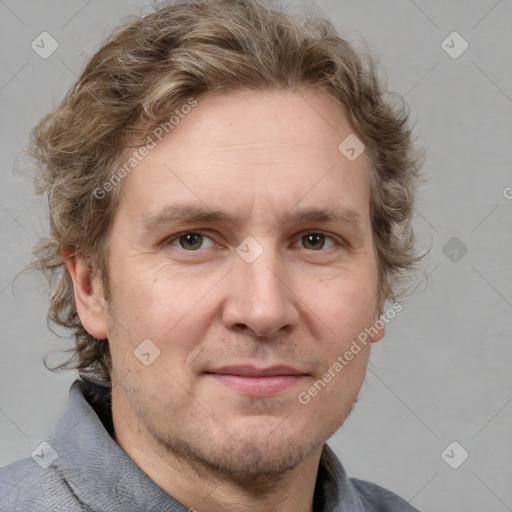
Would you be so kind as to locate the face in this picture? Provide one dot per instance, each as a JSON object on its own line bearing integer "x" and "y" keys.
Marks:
{"x": 242, "y": 249}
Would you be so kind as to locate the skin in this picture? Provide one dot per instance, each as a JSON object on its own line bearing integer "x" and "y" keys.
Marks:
{"x": 258, "y": 155}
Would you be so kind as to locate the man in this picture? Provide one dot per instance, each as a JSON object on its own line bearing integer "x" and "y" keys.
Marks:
{"x": 230, "y": 198}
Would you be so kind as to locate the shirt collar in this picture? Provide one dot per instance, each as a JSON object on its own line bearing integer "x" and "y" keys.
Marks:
{"x": 99, "y": 472}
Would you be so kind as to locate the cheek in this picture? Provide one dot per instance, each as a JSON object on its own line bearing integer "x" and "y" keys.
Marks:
{"x": 172, "y": 311}
{"x": 346, "y": 308}
{"x": 141, "y": 295}
{"x": 347, "y": 301}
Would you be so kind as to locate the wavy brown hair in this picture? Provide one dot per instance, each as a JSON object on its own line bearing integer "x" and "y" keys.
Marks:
{"x": 151, "y": 66}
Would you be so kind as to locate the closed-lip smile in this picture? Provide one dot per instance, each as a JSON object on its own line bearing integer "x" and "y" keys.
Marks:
{"x": 254, "y": 381}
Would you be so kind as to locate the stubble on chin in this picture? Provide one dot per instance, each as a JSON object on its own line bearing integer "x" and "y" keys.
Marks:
{"x": 256, "y": 456}
{"x": 252, "y": 459}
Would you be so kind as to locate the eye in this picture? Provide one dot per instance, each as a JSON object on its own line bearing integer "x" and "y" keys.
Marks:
{"x": 191, "y": 240}
{"x": 317, "y": 241}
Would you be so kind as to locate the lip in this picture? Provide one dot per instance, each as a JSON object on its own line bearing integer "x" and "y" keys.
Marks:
{"x": 253, "y": 381}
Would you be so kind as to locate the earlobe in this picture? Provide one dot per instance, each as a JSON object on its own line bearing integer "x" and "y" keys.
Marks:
{"x": 88, "y": 291}
{"x": 378, "y": 331}
{"x": 379, "y": 326}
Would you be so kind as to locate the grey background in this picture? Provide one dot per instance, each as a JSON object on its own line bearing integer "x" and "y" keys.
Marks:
{"x": 442, "y": 373}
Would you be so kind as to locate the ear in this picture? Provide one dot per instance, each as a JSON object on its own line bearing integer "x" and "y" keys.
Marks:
{"x": 378, "y": 324}
{"x": 89, "y": 297}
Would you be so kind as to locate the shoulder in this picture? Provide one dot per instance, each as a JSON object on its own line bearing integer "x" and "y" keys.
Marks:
{"x": 378, "y": 499}
{"x": 25, "y": 486}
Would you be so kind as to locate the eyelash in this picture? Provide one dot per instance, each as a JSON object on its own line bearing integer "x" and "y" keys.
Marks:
{"x": 336, "y": 240}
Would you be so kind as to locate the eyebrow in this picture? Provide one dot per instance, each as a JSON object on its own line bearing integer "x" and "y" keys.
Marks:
{"x": 192, "y": 213}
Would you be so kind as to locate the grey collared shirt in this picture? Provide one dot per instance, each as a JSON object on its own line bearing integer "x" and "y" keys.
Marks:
{"x": 82, "y": 468}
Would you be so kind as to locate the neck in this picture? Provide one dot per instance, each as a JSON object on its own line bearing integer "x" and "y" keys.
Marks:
{"x": 203, "y": 488}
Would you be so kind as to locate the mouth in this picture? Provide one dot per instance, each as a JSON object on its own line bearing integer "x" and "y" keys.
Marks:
{"x": 252, "y": 381}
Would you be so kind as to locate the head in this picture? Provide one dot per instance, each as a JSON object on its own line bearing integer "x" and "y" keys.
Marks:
{"x": 239, "y": 111}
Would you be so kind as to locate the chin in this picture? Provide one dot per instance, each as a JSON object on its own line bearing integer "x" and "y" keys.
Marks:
{"x": 247, "y": 451}
{"x": 252, "y": 458}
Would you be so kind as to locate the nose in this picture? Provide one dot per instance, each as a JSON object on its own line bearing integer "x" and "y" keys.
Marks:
{"x": 259, "y": 299}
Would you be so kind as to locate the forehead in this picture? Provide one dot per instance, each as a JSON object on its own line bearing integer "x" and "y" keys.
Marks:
{"x": 252, "y": 150}
{"x": 271, "y": 122}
